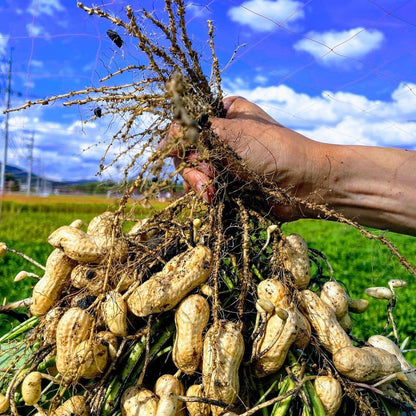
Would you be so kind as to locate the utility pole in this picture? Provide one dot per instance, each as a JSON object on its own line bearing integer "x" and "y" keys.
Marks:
{"x": 29, "y": 175}
{"x": 6, "y": 127}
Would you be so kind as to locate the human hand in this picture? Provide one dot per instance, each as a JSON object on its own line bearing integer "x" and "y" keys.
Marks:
{"x": 265, "y": 147}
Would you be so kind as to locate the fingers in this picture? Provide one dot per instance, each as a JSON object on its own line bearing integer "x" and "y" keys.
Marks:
{"x": 239, "y": 107}
{"x": 197, "y": 178}
{"x": 240, "y": 128}
{"x": 174, "y": 131}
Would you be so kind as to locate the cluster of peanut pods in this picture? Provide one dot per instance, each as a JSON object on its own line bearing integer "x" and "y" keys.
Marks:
{"x": 85, "y": 331}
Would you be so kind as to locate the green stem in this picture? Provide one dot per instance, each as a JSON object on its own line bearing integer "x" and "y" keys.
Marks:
{"x": 256, "y": 271}
{"x": 131, "y": 370}
{"x": 281, "y": 408}
{"x": 20, "y": 329}
{"x": 46, "y": 364}
{"x": 316, "y": 404}
{"x": 264, "y": 395}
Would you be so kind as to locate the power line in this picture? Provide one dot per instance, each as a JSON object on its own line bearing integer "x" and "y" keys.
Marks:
{"x": 6, "y": 127}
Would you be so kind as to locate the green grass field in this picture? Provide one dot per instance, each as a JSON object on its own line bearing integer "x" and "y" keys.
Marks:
{"x": 356, "y": 261}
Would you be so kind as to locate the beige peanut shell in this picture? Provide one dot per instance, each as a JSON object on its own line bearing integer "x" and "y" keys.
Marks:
{"x": 222, "y": 355}
{"x": 168, "y": 388}
{"x": 137, "y": 401}
{"x": 191, "y": 318}
{"x": 3, "y": 249}
{"x": 4, "y": 403}
{"x": 366, "y": 363}
{"x": 115, "y": 313}
{"x": 77, "y": 244}
{"x": 323, "y": 320}
{"x": 104, "y": 225}
{"x": 329, "y": 391}
{"x": 271, "y": 350}
{"x": 358, "y": 305}
{"x": 91, "y": 278}
{"x": 32, "y": 387}
{"x": 109, "y": 339}
{"x": 196, "y": 408}
{"x": 48, "y": 289}
{"x": 91, "y": 357}
{"x": 73, "y": 328}
{"x": 380, "y": 341}
{"x": 50, "y": 323}
{"x": 164, "y": 290}
{"x": 277, "y": 293}
{"x": 74, "y": 406}
{"x": 335, "y": 296}
{"x": 295, "y": 258}
{"x": 274, "y": 291}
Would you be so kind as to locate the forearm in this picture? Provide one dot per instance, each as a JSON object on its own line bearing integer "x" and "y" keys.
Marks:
{"x": 374, "y": 186}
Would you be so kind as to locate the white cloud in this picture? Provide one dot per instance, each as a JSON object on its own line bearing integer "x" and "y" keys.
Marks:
{"x": 68, "y": 149}
{"x": 3, "y": 43}
{"x": 265, "y": 15}
{"x": 340, "y": 117}
{"x": 48, "y": 7}
{"x": 334, "y": 47}
{"x": 35, "y": 30}
{"x": 36, "y": 63}
{"x": 260, "y": 79}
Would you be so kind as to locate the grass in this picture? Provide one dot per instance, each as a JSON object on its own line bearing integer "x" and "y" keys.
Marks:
{"x": 356, "y": 261}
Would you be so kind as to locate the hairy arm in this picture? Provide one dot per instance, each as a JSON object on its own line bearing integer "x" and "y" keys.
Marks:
{"x": 373, "y": 186}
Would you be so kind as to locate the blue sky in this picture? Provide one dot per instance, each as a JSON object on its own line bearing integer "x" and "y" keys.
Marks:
{"x": 339, "y": 72}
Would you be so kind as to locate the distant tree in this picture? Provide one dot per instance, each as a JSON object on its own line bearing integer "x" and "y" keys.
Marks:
{"x": 94, "y": 188}
{"x": 12, "y": 183}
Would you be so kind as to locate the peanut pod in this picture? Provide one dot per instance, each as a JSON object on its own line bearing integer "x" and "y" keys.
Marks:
{"x": 323, "y": 320}
{"x": 32, "y": 387}
{"x": 196, "y": 408}
{"x": 329, "y": 391}
{"x": 74, "y": 406}
{"x": 295, "y": 258}
{"x": 191, "y": 318}
{"x": 48, "y": 289}
{"x": 73, "y": 328}
{"x": 358, "y": 305}
{"x": 50, "y": 323}
{"x": 115, "y": 313}
{"x": 4, "y": 403}
{"x": 379, "y": 292}
{"x": 388, "y": 345}
{"x": 366, "y": 363}
{"x": 104, "y": 225}
{"x": 91, "y": 357}
{"x": 137, "y": 401}
{"x": 86, "y": 248}
{"x": 274, "y": 344}
{"x": 110, "y": 340}
{"x": 275, "y": 292}
{"x": 222, "y": 354}
{"x": 168, "y": 388}
{"x": 91, "y": 278}
{"x": 335, "y": 296}
{"x": 164, "y": 290}
{"x": 76, "y": 244}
